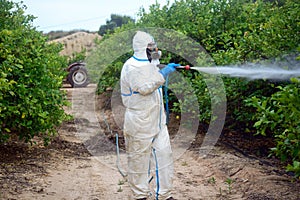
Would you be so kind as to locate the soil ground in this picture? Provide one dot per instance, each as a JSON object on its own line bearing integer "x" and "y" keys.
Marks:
{"x": 70, "y": 168}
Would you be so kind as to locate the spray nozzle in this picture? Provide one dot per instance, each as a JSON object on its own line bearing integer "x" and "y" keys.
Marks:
{"x": 187, "y": 67}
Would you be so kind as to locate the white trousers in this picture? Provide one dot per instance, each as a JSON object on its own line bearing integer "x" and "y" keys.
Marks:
{"x": 147, "y": 157}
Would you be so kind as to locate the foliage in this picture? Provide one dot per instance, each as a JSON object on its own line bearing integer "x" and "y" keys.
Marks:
{"x": 280, "y": 116}
{"x": 105, "y": 62}
{"x": 110, "y": 77}
{"x": 113, "y": 23}
{"x": 31, "y": 74}
{"x": 231, "y": 32}
{"x": 77, "y": 56}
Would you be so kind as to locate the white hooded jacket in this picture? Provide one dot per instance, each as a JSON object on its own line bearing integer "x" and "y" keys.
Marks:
{"x": 140, "y": 88}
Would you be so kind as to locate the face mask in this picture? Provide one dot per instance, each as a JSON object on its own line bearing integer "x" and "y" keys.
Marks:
{"x": 154, "y": 54}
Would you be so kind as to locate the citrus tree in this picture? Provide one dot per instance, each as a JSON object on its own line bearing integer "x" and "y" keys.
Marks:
{"x": 239, "y": 32}
{"x": 31, "y": 75}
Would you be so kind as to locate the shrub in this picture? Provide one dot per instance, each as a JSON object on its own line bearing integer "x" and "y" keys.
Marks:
{"x": 234, "y": 32}
{"x": 31, "y": 74}
{"x": 279, "y": 115}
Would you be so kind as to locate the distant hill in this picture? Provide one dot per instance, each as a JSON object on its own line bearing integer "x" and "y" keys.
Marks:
{"x": 77, "y": 41}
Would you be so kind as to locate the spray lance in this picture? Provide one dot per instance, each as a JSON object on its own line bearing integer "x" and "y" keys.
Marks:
{"x": 186, "y": 67}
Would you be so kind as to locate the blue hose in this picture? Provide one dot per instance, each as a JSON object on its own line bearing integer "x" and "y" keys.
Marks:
{"x": 167, "y": 100}
{"x": 118, "y": 156}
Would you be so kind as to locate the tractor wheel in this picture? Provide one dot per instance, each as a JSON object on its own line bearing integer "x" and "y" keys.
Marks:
{"x": 78, "y": 76}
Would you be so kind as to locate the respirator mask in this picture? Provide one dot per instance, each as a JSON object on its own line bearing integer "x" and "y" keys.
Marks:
{"x": 152, "y": 52}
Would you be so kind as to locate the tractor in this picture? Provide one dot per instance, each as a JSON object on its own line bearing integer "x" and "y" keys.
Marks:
{"x": 77, "y": 74}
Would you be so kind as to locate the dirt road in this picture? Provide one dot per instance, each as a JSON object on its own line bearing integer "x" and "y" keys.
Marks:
{"x": 67, "y": 171}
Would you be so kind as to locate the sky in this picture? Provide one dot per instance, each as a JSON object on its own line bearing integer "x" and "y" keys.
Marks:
{"x": 53, "y": 15}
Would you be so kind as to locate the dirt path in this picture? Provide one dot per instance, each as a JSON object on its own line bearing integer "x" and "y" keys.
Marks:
{"x": 69, "y": 172}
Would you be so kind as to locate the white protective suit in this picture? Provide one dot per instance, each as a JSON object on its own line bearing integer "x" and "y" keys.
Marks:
{"x": 147, "y": 139}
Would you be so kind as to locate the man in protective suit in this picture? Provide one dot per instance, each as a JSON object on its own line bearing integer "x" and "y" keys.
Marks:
{"x": 146, "y": 134}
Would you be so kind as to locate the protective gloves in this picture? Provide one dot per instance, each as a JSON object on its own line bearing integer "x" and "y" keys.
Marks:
{"x": 171, "y": 67}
